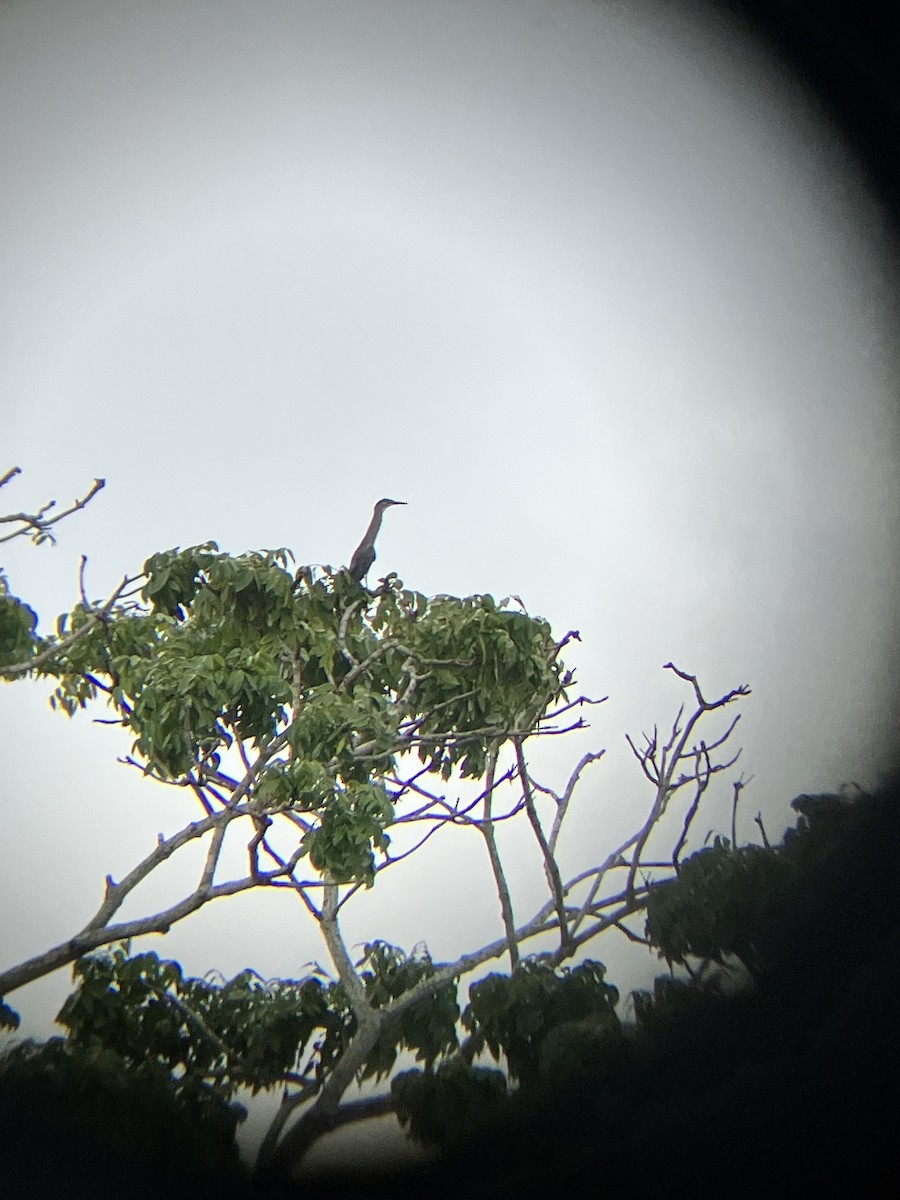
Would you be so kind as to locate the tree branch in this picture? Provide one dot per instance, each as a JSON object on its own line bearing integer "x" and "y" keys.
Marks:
{"x": 94, "y": 618}
{"x": 37, "y": 525}
{"x": 551, "y": 870}
{"x": 486, "y": 828}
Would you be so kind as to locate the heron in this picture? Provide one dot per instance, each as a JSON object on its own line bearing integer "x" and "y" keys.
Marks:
{"x": 364, "y": 554}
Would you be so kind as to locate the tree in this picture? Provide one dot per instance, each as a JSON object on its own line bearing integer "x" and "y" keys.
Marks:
{"x": 313, "y": 721}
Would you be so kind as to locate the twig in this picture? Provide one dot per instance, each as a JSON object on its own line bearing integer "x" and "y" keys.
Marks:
{"x": 739, "y": 785}
{"x": 562, "y": 803}
{"x": 762, "y": 829}
{"x": 661, "y": 770}
{"x": 37, "y": 525}
{"x": 702, "y": 776}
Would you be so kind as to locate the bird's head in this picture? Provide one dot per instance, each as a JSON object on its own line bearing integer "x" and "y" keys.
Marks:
{"x": 383, "y": 504}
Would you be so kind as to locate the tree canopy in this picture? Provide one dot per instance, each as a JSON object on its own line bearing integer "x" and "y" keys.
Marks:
{"x": 319, "y": 725}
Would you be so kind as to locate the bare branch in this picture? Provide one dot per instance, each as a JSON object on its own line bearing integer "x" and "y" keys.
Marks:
{"x": 289, "y": 1103}
{"x": 578, "y": 703}
{"x": 328, "y": 922}
{"x": 486, "y": 828}
{"x": 739, "y": 785}
{"x": 661, "y": 770}
{"x": 379, "y": 652}
{"x": 212, "y": 857}
{"x": 551, "y": 870}
{"x": 37, "y": 526}
{"x": 94, "y": 936}
{"x": 762, "y": 829}
{"x": 701, "y": 778}
{"x": 562, "y": 802}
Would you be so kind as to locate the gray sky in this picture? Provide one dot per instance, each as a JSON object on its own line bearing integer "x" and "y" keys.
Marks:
{"x": 592, "y": 286}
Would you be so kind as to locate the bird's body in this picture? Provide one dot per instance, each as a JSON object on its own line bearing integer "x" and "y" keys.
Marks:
{"x": 364, "y": 554}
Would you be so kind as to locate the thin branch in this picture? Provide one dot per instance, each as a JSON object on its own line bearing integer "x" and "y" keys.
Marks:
{"x": 675, "y": 751}
{"x": 637, "y": 938}
{"x": 94, "y": 618}
{"x": 702, "y": 777}
{"x": 212, "y": 857}
{"x": 289, "y": 1103}
{"x": 739, "y": 785}
{"x": 37, "y": 525}
{"x": 762, "y": 829}
{"x": 577, "y": 703}
{"x": 94, "y": 936}
{"x": 486, "y": 827}
{"x": 193, "y": 1018}
{"x": 562, "y": 802}
{"x": 379, "y": 652}
{"x": 551, "y": 870}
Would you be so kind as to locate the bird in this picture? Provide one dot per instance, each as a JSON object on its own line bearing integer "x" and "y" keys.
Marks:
{"x": 364, "y": 554}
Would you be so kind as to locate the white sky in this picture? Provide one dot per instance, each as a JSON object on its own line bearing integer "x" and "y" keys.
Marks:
{"x": 590, "y": 285}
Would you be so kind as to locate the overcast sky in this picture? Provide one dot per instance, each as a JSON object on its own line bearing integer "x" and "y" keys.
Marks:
{"x": 592, "y": 286}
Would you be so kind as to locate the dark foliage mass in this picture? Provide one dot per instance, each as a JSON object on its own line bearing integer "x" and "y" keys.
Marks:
{"x": 75, "y": 1124}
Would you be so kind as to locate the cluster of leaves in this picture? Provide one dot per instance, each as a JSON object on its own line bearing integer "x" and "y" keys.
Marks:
{"x": 352, "y": 822}
{"x": 514, "y": 1014}
{"x": 450, "y": 1103}
{"x": 428, "y": 1027}
{"x": 200, "y": 667}
{"x": 17, "y": 625}
{"x": 207, "y": 1037}
{"x": 794, "y": 914}
{"x": 722, "y": 897}
{"x": 487, "y": 668}
{"x": 211, "y": 1036}
{"x": 235, "y": 649}
{"x": 539, "y": 1019}
{"x": 79, "y": 1115}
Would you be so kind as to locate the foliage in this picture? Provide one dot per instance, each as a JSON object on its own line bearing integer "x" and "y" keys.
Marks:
{"x": 428, "y": 1027}
{"x": 785, "y": 910}
{"x": 212, "y": 1036}
{"x": 18, "y": 622}
{"x": 207, "y": 1037}
{"x": 452, "y": 1102}
{"x": 546, "y": 1023}
{"x": 514, "y": 1014}
{"x": 205, "y": 1033}
{"x": 78, "y": 1115}
{"x": 720, "y": 899}
{"x": 228, "y": 650}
